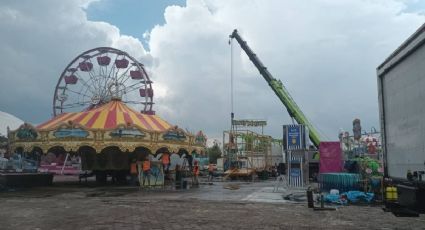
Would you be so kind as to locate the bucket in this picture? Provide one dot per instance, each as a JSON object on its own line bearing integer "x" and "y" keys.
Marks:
{"x": 391, "y": 193}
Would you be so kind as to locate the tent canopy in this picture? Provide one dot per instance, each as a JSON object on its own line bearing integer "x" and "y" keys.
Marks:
{"x": 108, "y": 116}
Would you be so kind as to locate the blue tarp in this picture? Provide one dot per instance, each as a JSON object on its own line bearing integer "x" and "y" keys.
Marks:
{"x": 356, "y": 196}
{"x": 351, "y": 196}
{"x": 335, "y": 199}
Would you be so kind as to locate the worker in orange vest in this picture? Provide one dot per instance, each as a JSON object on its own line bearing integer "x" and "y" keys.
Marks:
{"x": 134, "y": 172}
{"x": 133, "y": 167}
{"x": 210, "y": 172}
{"x": 196, "y": 173}
{"x": 146, "y": 171}
{"x": 165, "y": 158}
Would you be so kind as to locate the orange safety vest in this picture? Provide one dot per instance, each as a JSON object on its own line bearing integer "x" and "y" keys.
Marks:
{"x": 165, "y": 158}
{"x": 146, "y": 165}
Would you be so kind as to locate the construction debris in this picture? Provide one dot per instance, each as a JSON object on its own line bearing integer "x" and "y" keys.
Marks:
{"x": 232, "y": 186}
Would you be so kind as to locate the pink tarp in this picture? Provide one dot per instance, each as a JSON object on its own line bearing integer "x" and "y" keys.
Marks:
{"x": 330, "y": 157}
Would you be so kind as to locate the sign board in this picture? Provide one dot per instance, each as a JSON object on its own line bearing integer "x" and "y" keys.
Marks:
{"x": 295, "y": 172}
{"x": 294, "y": 137}
{"x": 63, "y": 132}
{"x": 253, "y": 123}
{"x": 174, "y": 135}
{"x": 134, "y": 133}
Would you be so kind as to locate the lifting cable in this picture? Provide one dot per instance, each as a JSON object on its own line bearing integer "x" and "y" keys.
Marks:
{"x": 231, "y": 79}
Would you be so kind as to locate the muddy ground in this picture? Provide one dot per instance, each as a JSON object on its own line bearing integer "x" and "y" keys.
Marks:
{"x": 218, "y": 206}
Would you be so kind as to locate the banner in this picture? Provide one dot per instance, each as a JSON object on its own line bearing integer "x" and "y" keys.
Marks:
{"x": 294, "y": 137}
{"x": 330, "y": 157}
{"x": 254, "y": 123}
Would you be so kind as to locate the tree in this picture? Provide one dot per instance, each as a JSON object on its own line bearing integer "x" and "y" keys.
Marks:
{"x": 3, "y": 139}
{"x": 214, "y": 152}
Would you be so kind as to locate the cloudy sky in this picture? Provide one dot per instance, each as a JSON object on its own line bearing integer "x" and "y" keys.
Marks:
{"x": 324, "y": 51}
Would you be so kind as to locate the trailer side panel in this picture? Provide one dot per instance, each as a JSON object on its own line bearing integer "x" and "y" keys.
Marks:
{"x": 402, "y": 107}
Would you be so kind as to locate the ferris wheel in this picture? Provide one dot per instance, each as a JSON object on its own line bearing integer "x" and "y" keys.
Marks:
{"x": 100, "y": 75}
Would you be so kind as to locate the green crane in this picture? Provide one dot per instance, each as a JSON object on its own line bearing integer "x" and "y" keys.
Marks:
{"x": 279, "y": 89}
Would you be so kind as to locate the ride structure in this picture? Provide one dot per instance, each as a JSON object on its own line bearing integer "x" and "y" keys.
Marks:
{"x": 279, "y": 89}
{"x": 253, "y": 147}
{"x": 94, "y": 121}
{"x": 100, "y": 75}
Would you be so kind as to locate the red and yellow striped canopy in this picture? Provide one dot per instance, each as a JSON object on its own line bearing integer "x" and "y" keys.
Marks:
{"x": 108, "y": 116}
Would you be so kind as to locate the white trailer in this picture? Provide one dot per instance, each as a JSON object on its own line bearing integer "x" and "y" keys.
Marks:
{"x": 258, "y": 163}
{"x": 401, "y": 88}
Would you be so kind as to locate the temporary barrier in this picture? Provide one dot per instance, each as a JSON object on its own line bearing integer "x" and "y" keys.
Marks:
{"x": 295, "y": 171}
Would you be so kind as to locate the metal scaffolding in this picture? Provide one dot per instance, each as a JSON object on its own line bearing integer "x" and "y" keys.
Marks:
{"x": 249, "y": 149}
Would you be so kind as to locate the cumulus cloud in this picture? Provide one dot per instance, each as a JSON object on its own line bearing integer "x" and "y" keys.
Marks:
{"x": 324, "y": 51}
{"x": 38, "y": 41}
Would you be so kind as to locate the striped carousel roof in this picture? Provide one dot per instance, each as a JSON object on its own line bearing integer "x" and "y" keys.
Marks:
{"x": 108, "y": 116}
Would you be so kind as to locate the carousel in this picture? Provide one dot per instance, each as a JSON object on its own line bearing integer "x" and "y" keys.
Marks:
{"x": 103, "y": 114}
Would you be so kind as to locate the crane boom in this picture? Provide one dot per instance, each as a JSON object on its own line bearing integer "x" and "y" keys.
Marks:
{"x": 279, "y": 89}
